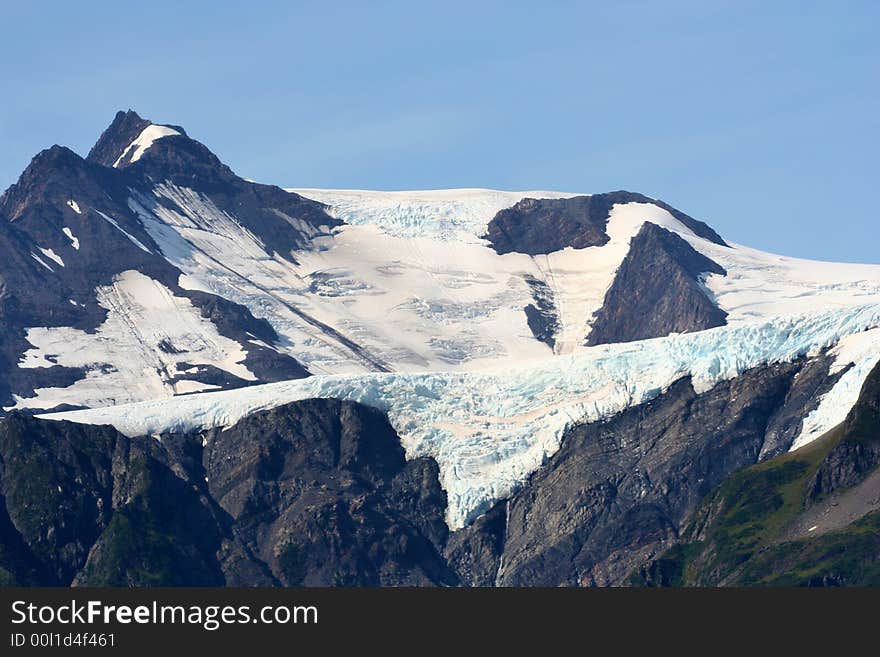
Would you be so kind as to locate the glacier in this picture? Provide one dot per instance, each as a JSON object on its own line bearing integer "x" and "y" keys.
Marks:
{"x": 489, "y": 430}
{"x": 411, "y": 282}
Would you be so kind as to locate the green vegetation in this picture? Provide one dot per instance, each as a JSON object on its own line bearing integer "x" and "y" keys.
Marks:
{"x": 850, "y": 557}
{"x": 155, "y": 538}
{"x": 135, "y": 553}
{"x": 735, "y": 537}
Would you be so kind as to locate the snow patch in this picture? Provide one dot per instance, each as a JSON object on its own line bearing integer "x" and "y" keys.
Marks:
{"x": 73, "y": 206}
{"x": 41, "y": 261}
{"x": 74, "y": 241}
{"x": 761, "y": 285}
{"x": 144, "y": 140}
{"x": 860, "y": 352}
{"x": 580, "y": 278}
{"x": 134, "y": 240}
{"x": 49, "y": 253}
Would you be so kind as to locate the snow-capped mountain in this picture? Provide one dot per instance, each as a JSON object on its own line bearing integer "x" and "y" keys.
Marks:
{"x": 148, "y": 287}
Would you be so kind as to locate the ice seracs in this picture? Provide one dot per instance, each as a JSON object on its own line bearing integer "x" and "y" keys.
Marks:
{"x": 855, "y": 356}
{"x": 445, "y": 214}
{"x": 408, "y": 309}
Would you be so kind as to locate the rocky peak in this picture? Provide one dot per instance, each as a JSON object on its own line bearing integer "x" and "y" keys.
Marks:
{"x": 124, "y": 129}
{"x": 183, "y": 161}
{"x": 49, "y": 171}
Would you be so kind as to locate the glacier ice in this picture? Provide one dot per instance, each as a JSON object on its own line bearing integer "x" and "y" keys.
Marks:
{"x": 857, "y": 354}
{"x": 441, "y": 214}
{"x": 489, "y": 430}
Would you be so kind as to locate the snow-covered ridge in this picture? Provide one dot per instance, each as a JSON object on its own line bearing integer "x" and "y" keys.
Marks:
{"x": 144, "y": 140}
{"x": 490, "y": 430}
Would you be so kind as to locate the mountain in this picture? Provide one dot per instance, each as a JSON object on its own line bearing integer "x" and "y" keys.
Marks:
{"x": 468, "y": 387}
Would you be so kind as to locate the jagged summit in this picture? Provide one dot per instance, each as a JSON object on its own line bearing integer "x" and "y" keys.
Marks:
{"x": 51, "y": 174}
{"x": 124, "y": 129}
{"x": 116, "y": 145}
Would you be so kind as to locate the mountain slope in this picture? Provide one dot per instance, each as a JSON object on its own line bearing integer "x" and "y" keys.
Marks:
{"x": 808, "y": 518}
{"x": 319, "y": 492}
{"x": 74, "y": 249}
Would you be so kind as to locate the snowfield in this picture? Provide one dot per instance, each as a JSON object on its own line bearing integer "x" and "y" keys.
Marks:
{"x": 135, "y": 354}
{"x": 490, "y": 430}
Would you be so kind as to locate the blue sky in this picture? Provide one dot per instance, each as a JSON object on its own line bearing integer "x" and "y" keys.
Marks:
{"x": 760, "y": 118}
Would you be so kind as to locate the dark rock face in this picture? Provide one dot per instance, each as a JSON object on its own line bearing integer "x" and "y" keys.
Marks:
{"x": 805, "y": 518}
{"x": 807, "y": 390}
{"x": 858, "y": 453}
{"x": 86, "y": 505}
{"x": 124, "y": 129}
{"x": 539, "y": 226}
{"x": 314, "y": 493}
{"x": 186, "y": 162}
{"x": 657, "y": 291}
{"x": 536, "y": 226}
{"x": 57, "y": 485}
{"x": 321, "y": 493}
{"x": 542, "y": 316}
{"x": 283, "y": 221}
{"x": 165, "y": 529}
{"x": 619, "y": 492}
